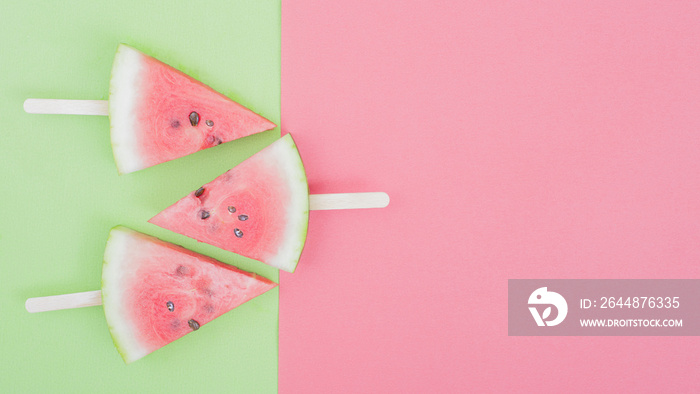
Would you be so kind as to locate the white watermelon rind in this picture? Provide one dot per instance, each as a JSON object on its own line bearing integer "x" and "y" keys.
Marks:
{"x": 286, "y": 156}
{"x": 119, "y": 245}
{"x": 124, "y": 87}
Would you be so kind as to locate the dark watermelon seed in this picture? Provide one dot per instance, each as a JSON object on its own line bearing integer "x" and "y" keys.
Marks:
{"x": 238, "y": 232}
{"x": 170, "y": 305}
{"x": 182, "y": 270}
{"x": 193, "y": 324}
{"x": 210, "y": 123}
{"x": 232, "y": 209}
{"x": 243, "y": 217}
{"x": 204, "y": 214}
{"x": 199, "y": 192}
{"x": 219, "y": 141}
{"x": 175, "y": 124}
{"x": 194, "y": 118}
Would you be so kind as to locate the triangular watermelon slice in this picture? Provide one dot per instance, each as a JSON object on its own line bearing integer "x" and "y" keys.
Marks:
{"x": 157, "y": 113}
{"x": 259, "y": 209}
{"x": 155, "y": 292}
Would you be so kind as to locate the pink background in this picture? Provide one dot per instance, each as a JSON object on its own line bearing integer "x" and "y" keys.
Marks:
{"x": 516, "y": 140}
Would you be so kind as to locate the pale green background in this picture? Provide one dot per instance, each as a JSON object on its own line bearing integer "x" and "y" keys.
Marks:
{"x": 60, "y": 192}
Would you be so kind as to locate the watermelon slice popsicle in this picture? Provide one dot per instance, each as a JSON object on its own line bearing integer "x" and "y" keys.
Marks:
{"x": 154, "y": 292}
{"x": 259, "y": 208}
{"x": 158, "y": 113}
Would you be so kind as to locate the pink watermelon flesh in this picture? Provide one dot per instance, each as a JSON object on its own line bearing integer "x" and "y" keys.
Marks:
{"x": 157, "y": 113}
{"x": 155, "y": 292}
{"x": 258, "y": 209}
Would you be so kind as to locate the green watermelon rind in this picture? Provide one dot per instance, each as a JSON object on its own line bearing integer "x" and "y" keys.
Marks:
{"x": 124, "y": 85}
{"x": 285, "y": 151}
{"x": 117, "y": 244}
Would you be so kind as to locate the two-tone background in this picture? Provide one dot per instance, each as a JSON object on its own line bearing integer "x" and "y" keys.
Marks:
{"x": 516, "y": 140}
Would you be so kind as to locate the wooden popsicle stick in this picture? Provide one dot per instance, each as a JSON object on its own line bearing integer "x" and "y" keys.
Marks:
{"x": 63, "y": 301}
{"x": 321, "y": 202}
{"x": 66, "y": 107}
